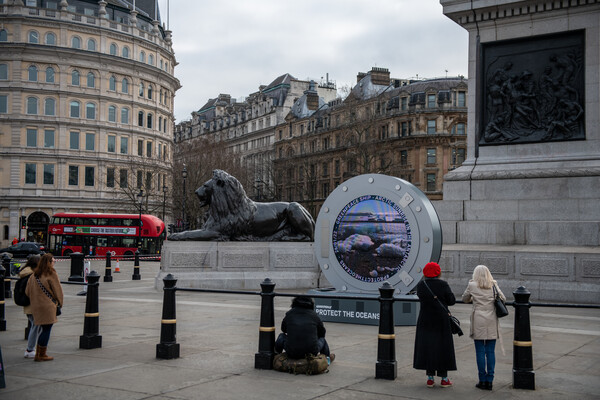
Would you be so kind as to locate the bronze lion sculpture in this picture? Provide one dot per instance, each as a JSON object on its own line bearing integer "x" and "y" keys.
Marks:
{"x": 233, "y": 216}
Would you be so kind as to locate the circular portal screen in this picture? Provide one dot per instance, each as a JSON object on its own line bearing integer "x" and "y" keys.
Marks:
{"x": 371, "y": 238}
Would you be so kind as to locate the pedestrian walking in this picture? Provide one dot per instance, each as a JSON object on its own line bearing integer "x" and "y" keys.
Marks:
{"x": 34, "y": 330}
{"x": 46, "y": 296}
{"x": 434, "y": 346}
{"x": 485, "y": 329}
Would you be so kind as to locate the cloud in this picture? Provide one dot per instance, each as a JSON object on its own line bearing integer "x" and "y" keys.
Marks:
{"x": 233, "y": 46}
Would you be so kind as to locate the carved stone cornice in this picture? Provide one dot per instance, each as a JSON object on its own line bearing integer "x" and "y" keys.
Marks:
{"x": 522, "y": 174}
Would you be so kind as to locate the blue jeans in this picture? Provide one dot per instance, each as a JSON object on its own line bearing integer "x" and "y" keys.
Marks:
{"x": 486, "y": 357}
{"x": 34, "y": 332}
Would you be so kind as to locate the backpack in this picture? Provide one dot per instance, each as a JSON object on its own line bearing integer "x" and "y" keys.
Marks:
{"x": 311, "y": 365}
{"x": 19, "y": 295}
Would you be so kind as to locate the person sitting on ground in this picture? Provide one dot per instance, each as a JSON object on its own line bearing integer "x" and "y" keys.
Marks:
{"x": 303, "y": 332}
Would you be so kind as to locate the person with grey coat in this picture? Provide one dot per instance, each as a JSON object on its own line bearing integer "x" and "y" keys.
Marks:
{"x": 485, "y": 328}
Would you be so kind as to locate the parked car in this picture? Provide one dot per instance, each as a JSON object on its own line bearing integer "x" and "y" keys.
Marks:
{"x": 24, "y": 249}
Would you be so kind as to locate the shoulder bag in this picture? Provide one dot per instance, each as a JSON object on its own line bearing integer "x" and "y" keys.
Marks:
{"x": 454, "y": 322}
{"x": 58, "y": 310}
{"x": 501, "y": 310}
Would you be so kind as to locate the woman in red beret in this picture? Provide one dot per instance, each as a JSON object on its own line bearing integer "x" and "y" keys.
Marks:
{"x": 434, "y": 346}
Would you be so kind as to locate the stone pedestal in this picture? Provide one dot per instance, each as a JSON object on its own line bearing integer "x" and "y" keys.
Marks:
{"x": 239, "y": 265}
{"x": 527, "y": 210}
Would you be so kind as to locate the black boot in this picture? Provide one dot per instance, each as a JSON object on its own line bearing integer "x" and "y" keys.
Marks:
{"x": 481, "y": 385}
{"x": 488, "y": 385}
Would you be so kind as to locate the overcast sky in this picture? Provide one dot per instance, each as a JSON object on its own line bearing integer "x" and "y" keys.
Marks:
{"x": 234, "y": 46}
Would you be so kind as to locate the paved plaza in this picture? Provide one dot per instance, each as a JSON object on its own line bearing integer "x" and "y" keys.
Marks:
{"x": 218, "y": 335}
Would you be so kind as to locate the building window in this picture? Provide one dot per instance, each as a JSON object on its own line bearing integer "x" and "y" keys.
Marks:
{"x": 3, "y": 72}
{"x": 142, "y": 57}
{"x": 141, "y": 118}
{"x": 149, "y": 149}
{"x": 431, "y": 156}
{"x": 74, "y": 106}
{"x": 124, "y": 86}
{"x": 458, "y": 156}
{"x": 140, "y": 178}
{"x": 462, "y": 102}
{"x": 431, "y": 187}
{"x": 110, "y": 177}
{"x": 149, "y": 120}
{"x": 50, "y": 39}
{"x": 124, "y": 115}
{"x": 151, "y": 59}
{"x": 124, "y": 145}
{"x": 30, "y": 172}
{"x": 49, "y": 75}
{"x": 459, "y": 128}
{"x": 112, "y": 144}
{"x": 75, "y": 78}
{"x": 148, "y": 181}
{"x": 31, "y": 137}
{"x": 431, "y": 101}
{"x": 403, "y": 157}
{"x": 140, "y": 148}
{"x": 403, "y": 103}
{"x": 123, "y": 178}
{"x": 112, "y": 114}
{"x": 125, "y": 52}
{"x": 141, "y": 92}
{"x": 32, "y": 105}
{"x": 32, "y": 73}
{"x": 91, "y": 45}
{"x": 48, "y": 174}
{"x": 3, "y": 104}
{"x": 76, "y": 42}
{"x": 90, "y": 111}
{"x": 89, "y": 176}
{"x": 73, "y": 175}
{"x": 74, "y": 140}
{"x": 113, "y": 49}
{"x": 49, "y": 138}
{"x": 112, "y": 83}
{"x": 3, "y": 35}
{"x": 49, "y": 106}
{"x": 91, "y": 80}
{"x": 431, "y": 127}
{"x": 33, "y": 37}
{"x": 150, "y": 92}
{"x": 90, "y": 141}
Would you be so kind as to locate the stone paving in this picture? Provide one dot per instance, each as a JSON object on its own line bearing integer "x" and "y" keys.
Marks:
{"x": 218, "y": 335}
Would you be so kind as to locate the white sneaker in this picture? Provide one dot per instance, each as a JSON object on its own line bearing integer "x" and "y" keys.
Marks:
{"x": 29, "y": 354}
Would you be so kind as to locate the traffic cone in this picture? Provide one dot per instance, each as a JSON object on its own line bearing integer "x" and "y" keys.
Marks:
{"x": 117, "y": 269}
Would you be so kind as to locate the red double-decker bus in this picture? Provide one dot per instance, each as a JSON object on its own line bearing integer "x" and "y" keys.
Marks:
{"x": 97, "y": 234}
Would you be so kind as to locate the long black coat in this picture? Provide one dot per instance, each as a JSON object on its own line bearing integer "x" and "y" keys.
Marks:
{"x": 434, "y": 347}
{"x": 303, "y": 328}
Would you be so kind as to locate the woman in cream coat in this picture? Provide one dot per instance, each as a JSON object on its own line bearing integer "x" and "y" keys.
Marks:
{"x": 484, "y": 323}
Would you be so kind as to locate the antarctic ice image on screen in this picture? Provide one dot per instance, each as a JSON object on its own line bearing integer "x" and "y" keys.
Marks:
{"x": 371, "y": 238}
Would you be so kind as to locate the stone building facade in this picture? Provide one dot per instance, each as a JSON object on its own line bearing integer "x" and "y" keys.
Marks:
{"x": 86, "y": 110}
{"x": 415, "y": 130}
{"x": 249, "y": 128}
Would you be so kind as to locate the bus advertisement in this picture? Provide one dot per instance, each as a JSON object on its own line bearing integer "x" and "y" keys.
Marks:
{"x": 97, "y": 234}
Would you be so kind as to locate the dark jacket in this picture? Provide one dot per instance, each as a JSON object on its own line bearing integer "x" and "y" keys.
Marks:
{"x": 303, "y": 328}
{"x": 434, "y": 346}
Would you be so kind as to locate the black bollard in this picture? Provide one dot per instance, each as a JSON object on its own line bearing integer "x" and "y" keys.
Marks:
{"x": 2, "y": 301}
{"x": 266, "y": 331}
{"x": 168, "y": 348}
{"x": 6, "y": 275}
{"x": 136, "y": 267}
{"x": 108, "y": 269}
{"x": 90, "y": 338}
{"x": 523, "y": 374}
{"x": 386, "y": 367}
{"x": 76, "y": 267}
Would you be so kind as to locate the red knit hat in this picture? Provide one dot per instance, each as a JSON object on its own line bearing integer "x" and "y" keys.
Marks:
{"x": 432, "y": 270}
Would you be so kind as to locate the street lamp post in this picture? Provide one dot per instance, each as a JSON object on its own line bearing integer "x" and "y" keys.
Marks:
{"x": 165, "y": 188}
{"x": 184, "y": 175}
{"x": 140, "y": 197}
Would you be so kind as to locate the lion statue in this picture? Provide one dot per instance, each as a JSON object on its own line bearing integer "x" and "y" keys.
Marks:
{"x": 232, "y": 215}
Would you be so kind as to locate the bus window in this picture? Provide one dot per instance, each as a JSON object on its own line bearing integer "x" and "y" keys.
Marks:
{"x": 103, "y": 221}
{"x": 77, "y": 221}
{"x": 128, "y": 222}
{"x": 101, "y": 241}
{"x": 129, "y": 242}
